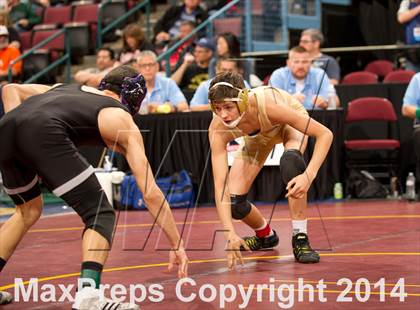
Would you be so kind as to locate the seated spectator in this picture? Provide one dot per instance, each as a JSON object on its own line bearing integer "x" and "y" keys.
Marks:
{"x": 160, "y": 90}
{"x": 228, "y": 46}
{"x": 312, "y": 40}
{"x": 105, "y": 62}
{"x": 194, "y": 69}
{"x": 22, "y": 15}
{"x": 301, "y": 80}
{"x": 409, "y": 16}
{"x": 14, "y": 39}
{"x": 200, "y": 101}
{"x": 7, "y": 55}
{"x": 168, "y": 26}
{"x": 177, "y": 57}
{"x": 411, "y": 109}
{"x": 134, "y": 41}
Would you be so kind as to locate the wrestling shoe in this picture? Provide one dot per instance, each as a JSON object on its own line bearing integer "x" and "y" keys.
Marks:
{"x": 302, "y": 250}
{"x": 89, "y": 299}
{"x": 5, "y": 298}
{"x": 256, "y": 243}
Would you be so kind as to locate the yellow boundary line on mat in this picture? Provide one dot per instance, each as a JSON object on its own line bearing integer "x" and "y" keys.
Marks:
{"x": 355, "y": 217}
{"x": 68, "y": 275}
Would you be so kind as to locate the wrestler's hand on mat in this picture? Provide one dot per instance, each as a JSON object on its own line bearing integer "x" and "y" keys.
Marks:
{"x": 179, "y": 257}
{"x": 233, "y": 248}
{"x": 298, "y": 186}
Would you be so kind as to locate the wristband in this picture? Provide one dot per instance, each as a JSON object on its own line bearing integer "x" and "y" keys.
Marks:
{"x": 418, "y": 113}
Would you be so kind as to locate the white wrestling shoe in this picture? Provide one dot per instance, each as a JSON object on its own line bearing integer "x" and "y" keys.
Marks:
{"x": 5, "y": 298}
{"x": 89, "y": 299}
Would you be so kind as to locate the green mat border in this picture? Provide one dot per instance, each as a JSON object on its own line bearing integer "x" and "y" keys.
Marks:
{"x": 48, "y": 199}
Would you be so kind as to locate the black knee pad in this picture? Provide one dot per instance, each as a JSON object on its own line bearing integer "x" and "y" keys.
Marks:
{"x": 90, "y": 202}
{"x": 291, "y": 165}
{"x": 240, "y": 206}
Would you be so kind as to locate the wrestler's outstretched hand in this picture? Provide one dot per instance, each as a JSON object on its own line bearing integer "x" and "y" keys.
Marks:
{"x": 179, "y": 257}
{"x": 233, "y": 249}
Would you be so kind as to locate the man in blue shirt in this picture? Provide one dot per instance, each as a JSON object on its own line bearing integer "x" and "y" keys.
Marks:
{"x": 312, "y": 39}
{"x": 200, "y": 101}
{"x": 301, "y": 80}
{"x": 411, "y": 109}
{"x": 160, "y": 90}
{"x": 409, "y": 16}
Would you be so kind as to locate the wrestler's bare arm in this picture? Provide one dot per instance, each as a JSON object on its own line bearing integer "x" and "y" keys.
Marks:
{"x": 121, "y": 134}
{"x": 219, "y": 137}
{"x": 283, "y": 114}
{"x": 14, "y": 94}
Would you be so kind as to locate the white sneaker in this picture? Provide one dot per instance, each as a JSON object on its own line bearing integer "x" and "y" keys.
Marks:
{"x": 89, "y": 299}
{"x": 108, "y": 304}
{"x": 5, "y": 298}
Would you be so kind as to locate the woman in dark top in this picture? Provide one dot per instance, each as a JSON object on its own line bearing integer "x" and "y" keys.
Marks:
{"x": 228, "y": 46}
{"x": 134, "y": 41}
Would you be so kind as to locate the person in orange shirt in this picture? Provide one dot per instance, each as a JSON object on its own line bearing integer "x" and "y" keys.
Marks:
{"x": 7, "y": 55}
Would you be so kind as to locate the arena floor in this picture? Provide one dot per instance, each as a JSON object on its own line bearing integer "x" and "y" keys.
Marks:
{"x": 370, "y": 259}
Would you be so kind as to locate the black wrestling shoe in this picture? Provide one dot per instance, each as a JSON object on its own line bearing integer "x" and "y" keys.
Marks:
{"x": 302, "y": 250}
{"x": 5, "y": 298}
{"x": 256, "y": 243}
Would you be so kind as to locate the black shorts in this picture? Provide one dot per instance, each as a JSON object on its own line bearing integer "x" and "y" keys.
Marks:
{"x": 38, "y": 148}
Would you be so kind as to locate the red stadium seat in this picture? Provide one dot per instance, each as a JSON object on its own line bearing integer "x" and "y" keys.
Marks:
{"x": 25, "y": 40}
{"x": 360, "y": 77}
{"x": 55, "y": 47}
{"x": 56, "y": 44}
{"x": 88, "y": 13}
{"x": 379, "y": 154}
{"x": 380, "y": 67}
{"x": 57, "y": 15}
{"x": 399, "y": 76}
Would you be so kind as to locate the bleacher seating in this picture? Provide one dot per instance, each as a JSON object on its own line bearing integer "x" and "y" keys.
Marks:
{"x": 360, "y": 77}
{"x": 380, "y": 67}
{"x": 399, "y": 76}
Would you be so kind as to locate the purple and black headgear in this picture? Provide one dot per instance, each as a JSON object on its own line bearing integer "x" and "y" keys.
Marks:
{"x": 128, "y": 84}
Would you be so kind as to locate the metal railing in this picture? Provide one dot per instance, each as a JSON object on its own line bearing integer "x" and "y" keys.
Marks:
{"x": 64, "y": 58}
{"x": 208, "y": 22}
{"x": 116, "y": 22}
{"x": 264, "y": 26}
{"x": 338, "y": 2}
{"x": 333, "y": 50}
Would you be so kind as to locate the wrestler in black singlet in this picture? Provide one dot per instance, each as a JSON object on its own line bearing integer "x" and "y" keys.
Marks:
{"x": 40, "y": 137}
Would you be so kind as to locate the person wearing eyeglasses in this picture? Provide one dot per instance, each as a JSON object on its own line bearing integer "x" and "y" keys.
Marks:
{"x": 311, "y": 40}
{"x": 160, "y": 90}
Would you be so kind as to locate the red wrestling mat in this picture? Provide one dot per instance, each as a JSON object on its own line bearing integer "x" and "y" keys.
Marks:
{"x": 370, "y": 259}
